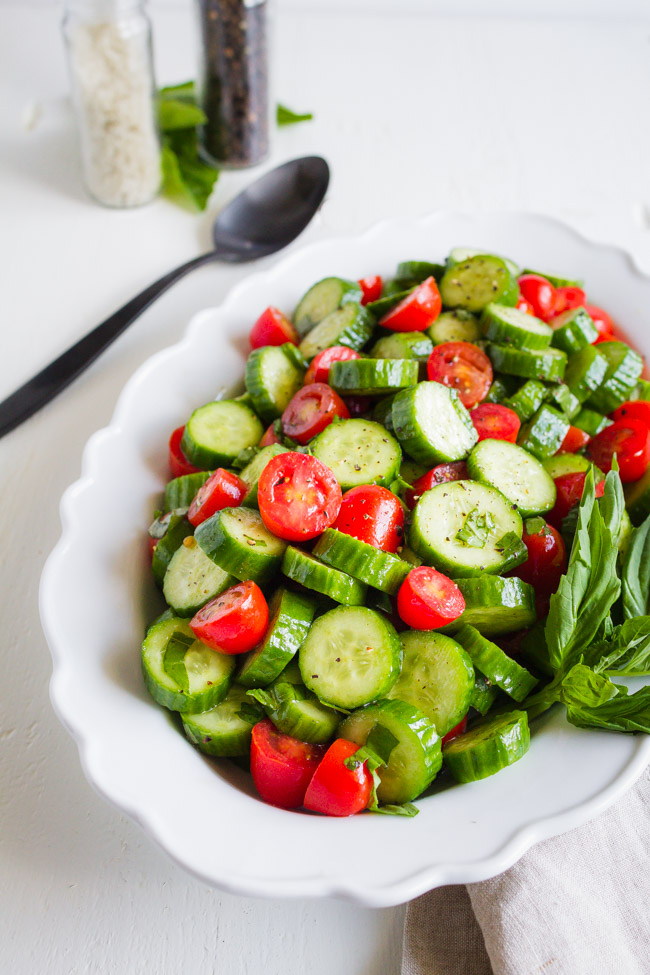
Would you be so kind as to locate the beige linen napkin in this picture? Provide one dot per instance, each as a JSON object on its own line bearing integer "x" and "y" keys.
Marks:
{"x": 578, "y": 904}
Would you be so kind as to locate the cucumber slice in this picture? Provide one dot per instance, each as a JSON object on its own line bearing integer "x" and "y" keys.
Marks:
{"x": 208, "y": 673}
{"x": 637, "y": 499}
{"x": 591, "y": 422}
{"x": 416, "y": 272}
{"x": 416, "y": 758}
{"x": 290, "y": 618}
{"x": 562, "y": 396}
{"x": 403, "y": 345}
{"x": 556, "y": 280}
{"x": 484, "y": 694}
{"x": 274, "y": 374}
{"x": 458, "y": 528}
{"x": 290, "y": 675}
{"x": 624, "y": 367}
{"x": 179, "y": 493}
{"x": 192, "y": 579}
{"x": 252, "y": 472}
{"x": 351, "y": 325}
{"x": 432, "y": 424}
{"x": 454, "y": 326}
{"x": 489, "y": 746}
{"x": 495, "y": 605}
{"x": 543, "y": 435}
{"x": 358, "y": 452}
{"x": 573, "y": 330}
{"x": 314, "y": 574}
{"x": 459, "y": 254}
{"x": 322, "y": 299}
{"x": 373, "y": 377}
{"x": 527, "y": 399}
{"x": 297, "y": 712}
{"x": 170, "y": 530}
{"x": 222, "y": 732}
{"x": 382, "y": 412}
{"x": 519, "y": 476}
{"x": 437, "y": 677}
{"x": 393, "y": 292}
{"x": 410, "y": 470}
{"x": 510, "y": 326}
{"x": 641, "y": 390}
{"x": 474, "y": 283}
{"x": 497, "y": 666}
{"x": 585, "y": 371}
{"x": 548, "y": 364}
{"x": 566, "y": 464}
{"x": 218, "y": 431}
{"x": 352, "y": 656}
{"x": 496, "y": 393}
{"x": 237, "y": 540}
{"x": 371, "y": 565}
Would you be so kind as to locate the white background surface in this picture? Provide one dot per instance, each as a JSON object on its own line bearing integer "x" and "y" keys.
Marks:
{"x": 414, "y": 113}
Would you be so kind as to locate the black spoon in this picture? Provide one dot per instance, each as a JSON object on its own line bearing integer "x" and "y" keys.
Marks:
{"x": 262, "y": 219}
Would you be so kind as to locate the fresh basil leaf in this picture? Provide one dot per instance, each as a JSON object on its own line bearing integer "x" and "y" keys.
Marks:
{"x": 625, "y": 713}
{"x": 636, "y": 573}
{"x": 174, "y": 659}
{"x": 513, "y": 549}
{"x": 176, "y": 114}
{"x": 376, "y": 753}
{"x": 476, "y": 529}
{"x": 626, "y": 652}
{"x": 284, "y": 116}
{"x": 406, "y": 809}
{"x": 244, "y": 457}
{"x": 250, "y": 713}
{"x": 189, "y": 184}
{"x": 264, "y": 697}
{"x": 185, "y": 91}
{"x": 583, "y": 687}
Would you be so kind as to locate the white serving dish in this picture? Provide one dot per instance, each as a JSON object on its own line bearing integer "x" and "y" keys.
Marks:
{"x": 97, "y": 596}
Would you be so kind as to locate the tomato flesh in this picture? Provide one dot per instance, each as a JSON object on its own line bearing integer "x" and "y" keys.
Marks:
{"x": 298, "y": 497}
{"x": 574, "y": 440}
{"x": 567, "y": 297}
{"x": 570, "y": 488}
{"x": 335, "y": 790}
{"x": 282, "y": 767}
{"x": 417, "y": 311}
{"x": 235, "y": 621}
{"x": 319, "y": 368}
{"x": 629, "y": 439}
{"x": 603, "y": 322}
{"x": 547, "y": 561}
{"x": 440, "y": 474}
{"x": 270, "y": 437}
{"x": 311, "y": 410}
{"x": 223, "y": 489}
{"x": 272, "y": 328}
{"x": 179, "y": 465}
{"x": 527, "y": 308}
{"x": 492, "y": 421}
{"x": 374, "y": 515}
{"x": 638, "y": 409}
{"x": 464, "y": 367}
{"x": 457, "y": 730}
{"x": 539, "y": 293}
{"x": 370, "y": 288}
{"x": 428, "y": 599}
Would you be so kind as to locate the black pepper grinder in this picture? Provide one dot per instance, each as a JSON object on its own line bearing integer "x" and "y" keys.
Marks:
{"x": 234, "y": 81}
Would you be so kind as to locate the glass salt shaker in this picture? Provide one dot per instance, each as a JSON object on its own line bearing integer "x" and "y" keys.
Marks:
{"x": 108, "y": 44}
{"x": 234, "y": 81}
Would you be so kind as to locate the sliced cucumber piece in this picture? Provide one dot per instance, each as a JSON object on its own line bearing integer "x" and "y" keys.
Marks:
{"x": 274, "y": 374}
{"x": 474, "y": 283}
{"x": 497, "y": 666}
{"x": 585, "y": 371}
{"x": 218, "y": 431}
{"x": 252, "y": 472}
{"x": 290, "y": 616}
{"x": 382, "y": 412}
{"x": 510, "y": 326}
{"x": 496, "y": 393}
{"x": 459, "y": 254}
{"x": 437, "y": 677}
{"x": 373, "y": 377}
{"x": 566, "y": 464}
{"x": 416, "y": 758}
{"x": 297, "y": 712}
{"x": 458, "y": 528}
{"x": 351, "y": 325}
{"x": 371, "y": 565}
{"x": 556, "y": 280}
{"x": 637, "y": 499}
{"x": 314, "y": 574}
{"x": 393, "y": 292}
{"x": 222, "y": 732}
{"x": 358, "y": 452}
{"x": 418, "y": 271}
{"x": 495, "y": 605}
{"x": 513, "y": 471}
{"x": 169, "y": 529}
{"x": 641, "y": 390}
{"x": 207, "y": 673}
{"x": 454, "y": 326}
{"x": 432, "y": 424}
{"x": 322, "y": 299}
{"x": 591, "y": 422}
{"x": 352, "y": 656}
{"x": 548, "y": 364}
{"x": 573, "y": 330}
{"x": 489, "y": 746}
{"x": 179, "y": 493}
{"x": 237, "y": 540}
{"x": 192, "y": 579}
{"x": 562, "y": 396}
{"x": 544, "y": 433}
{"x": 484, "y": 694}
{"x": 624, "y": 367}
{"x": 403, "y": 345}
{"x": 527, "y": 399}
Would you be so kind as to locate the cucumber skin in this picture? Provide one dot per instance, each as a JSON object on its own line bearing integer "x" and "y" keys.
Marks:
{"x": 236, "y": 742}
{"x": 498, "y": 330}
{"x": 302, "y": 568}
{"x": 288, "y": 628}
{"x": 228, "y": 555}
{"x": 455, "y": 295}
{"x": 179, "y": 492}
{"x": 403, "y": 345}
{"x": 264, "y": 401}
{"x": 373, "y": 377}
{"x": 370, "y": 565}
{"x": 285, "y": 713}
{"x": 547, "y": 364}
{"x": 527, "y": 399}
{"x": 573, "y": 330}
{"x": 624, "y": 368}
{"x": 543, "y": 434}
{"x": 349, "y": 291}
{"x": 513, "y": 599}
{"x": 585, "y": 371}
{"x": 496, "y": 665}
{"x": 212, "y": 457}
{"x": 407, "y": 429}
{"x": 179, "y": 528}
{"x": 250, "y": 475}
{"x": 468, "y": 764}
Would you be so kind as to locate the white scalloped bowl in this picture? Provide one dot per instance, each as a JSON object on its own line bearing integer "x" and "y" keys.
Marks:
{"x": 96, "y": 597}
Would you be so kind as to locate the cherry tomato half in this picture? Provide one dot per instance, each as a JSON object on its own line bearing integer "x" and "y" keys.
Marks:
{"x": 319, "y": 369}
{"x": 417, "y": 311}
{"x": 370, "y": 288}
{"x": 574, "y": 440}
{"x": 233, "y": 622}
{"x": 630, "y": 441}
{"x": 570, "y": 488}
{"x": 568, "y": 297}
{"x": 457, "y": 730}
{"x": 298, "y": 497}
{"x": 272, "y": 328}
{"x": 463, "y": 367}
{"x": 374, "y": 515}
{"x": 492, "y": 421}
{"x": 270, "y": 437}
{"x": 282, "y": 767}
{"x": 638, "y": 409}
{"x": 527, "y": 308}
{"x": 336, "y": 790}
{"x": 223, "y": 489}
{"x": 441, "y": 473}
{"x": 539, "y": 293}
{"x": 311, "y": 410}
{"x": 179, "y": 465}
{"x": 428, "y": 599}
{"x": 604, "y": 324}
{"x": 546, "y": 563}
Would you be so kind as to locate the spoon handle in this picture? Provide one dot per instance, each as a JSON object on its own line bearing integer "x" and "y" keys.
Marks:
{"x": 46, "y": 384}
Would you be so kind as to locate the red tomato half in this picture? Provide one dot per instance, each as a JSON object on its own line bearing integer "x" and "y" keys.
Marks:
{"x": 298, "y": 497}
{"x": 568, "y": 297}
{"x": 282, "y": 766}
{"x": 428, "y": 599}
{"x": 575, "y": 440}
{"x": 319, "y": 369}
{"x": 638, "y": 409}
{"x": 525, "y": 306}
{"x": 311, "y": 410}
{"x": 270, "y": 437}
{"x": 235, "y": 621}
{"x": 495, "y": 422}
{"x": 455, "y": 471}
{"x": 417, "y": 311}
{"x": 272, "y": 328}
{"x": 630, "y": 441}
{"x": 336, "y": 790}
{"x": 570, "y": 488}
{"x": 223, "y": 489}
{"x": 374, "y": 515}
{"x": 371, "y": 289}
{"x": 463, "y": 367}
{"x": 546, "y": 561}
{"x": 539, "y": 293}
{"x": 457, "y": 730}
{"x": 179, "y": 465}
{"x": 604, "y": 324}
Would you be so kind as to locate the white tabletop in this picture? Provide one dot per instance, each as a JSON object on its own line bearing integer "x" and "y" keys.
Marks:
{"x": 414, "y": 113}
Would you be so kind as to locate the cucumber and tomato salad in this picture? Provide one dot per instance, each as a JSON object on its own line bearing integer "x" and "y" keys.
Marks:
{"x": 344, "y": 547}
